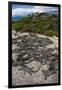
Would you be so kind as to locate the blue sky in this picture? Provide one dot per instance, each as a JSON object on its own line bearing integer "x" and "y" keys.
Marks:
{"x": 21, "y": 6}
{"x": 22, "y": 10}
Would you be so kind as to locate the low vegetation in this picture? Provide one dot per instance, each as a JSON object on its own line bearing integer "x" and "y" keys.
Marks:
{"x": 42, "y": 23}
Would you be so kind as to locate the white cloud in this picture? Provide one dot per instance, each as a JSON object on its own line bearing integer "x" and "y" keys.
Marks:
{"x": 26, "y": 11}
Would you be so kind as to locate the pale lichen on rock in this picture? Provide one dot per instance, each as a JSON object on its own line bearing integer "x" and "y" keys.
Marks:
{"x": 35, "y": 58}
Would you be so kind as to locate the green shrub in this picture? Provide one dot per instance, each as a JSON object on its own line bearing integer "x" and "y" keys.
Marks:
{"x": 51, "y": 33}
{"x": 46, "y": 26}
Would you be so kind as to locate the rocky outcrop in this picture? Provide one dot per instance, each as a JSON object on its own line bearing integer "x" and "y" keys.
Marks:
{"x": 34, "y": 58}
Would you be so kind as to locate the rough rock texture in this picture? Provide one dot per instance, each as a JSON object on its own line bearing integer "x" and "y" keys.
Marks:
{"x": 34, "y": 59}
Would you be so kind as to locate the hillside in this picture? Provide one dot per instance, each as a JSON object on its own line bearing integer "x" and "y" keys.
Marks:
{"x": 42, "y": 23}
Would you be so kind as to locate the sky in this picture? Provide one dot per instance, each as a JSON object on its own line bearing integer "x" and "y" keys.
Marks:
{"x": 23, "y": 10}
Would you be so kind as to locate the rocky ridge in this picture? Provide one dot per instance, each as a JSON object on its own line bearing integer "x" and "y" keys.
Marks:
{"x": 34, "y": 58}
